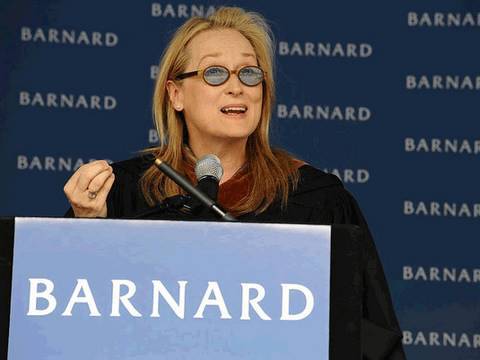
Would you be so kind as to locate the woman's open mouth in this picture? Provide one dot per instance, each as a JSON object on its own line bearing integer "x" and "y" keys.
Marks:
{"x": 234, "y": 109}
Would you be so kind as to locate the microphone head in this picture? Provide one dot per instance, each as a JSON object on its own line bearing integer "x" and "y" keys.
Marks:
{"x": 209, "y": 165}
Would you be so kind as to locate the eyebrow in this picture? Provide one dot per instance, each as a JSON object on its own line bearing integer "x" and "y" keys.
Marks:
{"x": 217, "y": 54}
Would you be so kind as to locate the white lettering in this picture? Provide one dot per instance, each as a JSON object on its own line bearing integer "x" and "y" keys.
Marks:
{"x": 441, "y": 274}
{"x": 35, "y": 294}
{"x": 153, "y": 136}
{"x": 444, "y": 209}
{"x": 177, "y": 307}
{"x": 50, "y": 163}
{"x": 407, "y": 273}
{"x": 254, "y": 303}
{"x": 348, "y": 50}
{"x": 22, "y": 162}
{"x": 216, "y": 301}
{"x": 52, "y": 100}
{"x": 318, "y": 112}
{"x": 443, "y": 146}
{"x": 439, "y": 19}
{"x": 153, "y": 72}
{"x": 180, "y": 11}
{"x": 442, "y": 82}
{"x": 124, "y": 299}
{"x": 309, "y": 301}
{"x": 87, "y": 298}
{"x": 359, "y": 176}
{"x": 69, "y": 37}
{"x": 444, "y": 339}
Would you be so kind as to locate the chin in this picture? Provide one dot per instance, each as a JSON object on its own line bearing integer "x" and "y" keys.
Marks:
{"x": 240, "y": 133}
{"x": 235, "y": 136}
{"x": 240, "y": 130}
{"x": 232, "y": 135}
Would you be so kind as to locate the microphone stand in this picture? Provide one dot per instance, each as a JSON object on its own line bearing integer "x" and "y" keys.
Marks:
{"x": 189, "y": 188}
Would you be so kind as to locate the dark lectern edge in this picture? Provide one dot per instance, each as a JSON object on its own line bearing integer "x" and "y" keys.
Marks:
{"x": 346, "y": 287}
{"x": 7, "y": 226}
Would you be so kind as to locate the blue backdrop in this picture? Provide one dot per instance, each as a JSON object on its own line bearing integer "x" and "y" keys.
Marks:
{"x": 383, "y": 94}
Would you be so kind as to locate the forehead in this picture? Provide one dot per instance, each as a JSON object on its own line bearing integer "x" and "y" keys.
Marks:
{"x": 218, "y": 44}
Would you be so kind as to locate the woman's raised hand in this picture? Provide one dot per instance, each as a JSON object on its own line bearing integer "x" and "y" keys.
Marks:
{"x": 88, "y": 187}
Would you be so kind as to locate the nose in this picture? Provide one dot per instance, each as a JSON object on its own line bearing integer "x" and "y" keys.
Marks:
{"x": 233, "y": 86}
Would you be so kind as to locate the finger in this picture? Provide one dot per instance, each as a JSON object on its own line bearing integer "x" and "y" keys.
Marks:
{"x": 103, "y": 192}
{"x": 98, "y": 181}
{"x": 89, "y": 171}
{"x": 71, "y": 183}
{"x": 83, "y": 206}
{"x": 69, "y": 186}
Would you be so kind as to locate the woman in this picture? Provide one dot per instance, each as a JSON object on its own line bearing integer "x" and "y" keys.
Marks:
{"x": 214, "y": 95}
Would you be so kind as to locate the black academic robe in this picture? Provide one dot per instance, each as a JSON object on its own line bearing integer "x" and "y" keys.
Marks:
{"x": 320, "y": 199}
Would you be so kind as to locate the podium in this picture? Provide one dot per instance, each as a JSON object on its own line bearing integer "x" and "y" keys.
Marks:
{"x": 138, "y": 289}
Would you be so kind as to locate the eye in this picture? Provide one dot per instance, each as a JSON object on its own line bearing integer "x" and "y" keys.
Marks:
{"x": 251, "y": 75}
{"x": 215, "y": 75}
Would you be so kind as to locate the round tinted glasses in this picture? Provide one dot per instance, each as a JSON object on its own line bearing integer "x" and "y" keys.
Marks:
{"x": 216, "y": 75}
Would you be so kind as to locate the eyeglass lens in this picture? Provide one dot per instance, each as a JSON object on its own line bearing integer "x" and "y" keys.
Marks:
{"x": 249, "y": 75}
{"x": 215, "y": 75}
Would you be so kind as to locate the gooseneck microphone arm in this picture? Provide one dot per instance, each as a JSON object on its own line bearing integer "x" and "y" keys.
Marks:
{"x": 189, "y": 188}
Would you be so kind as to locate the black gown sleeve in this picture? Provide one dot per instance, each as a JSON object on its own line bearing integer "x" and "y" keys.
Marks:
{"x": 381, "y": 334}
{"x": 125, "y": 199}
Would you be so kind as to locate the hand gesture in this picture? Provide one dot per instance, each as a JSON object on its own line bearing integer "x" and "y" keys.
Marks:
{"x": 88, "y": 187}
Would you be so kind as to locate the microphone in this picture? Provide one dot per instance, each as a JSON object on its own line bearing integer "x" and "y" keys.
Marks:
{"x": 189, "y": 188}
{"x": 209, "y": 171}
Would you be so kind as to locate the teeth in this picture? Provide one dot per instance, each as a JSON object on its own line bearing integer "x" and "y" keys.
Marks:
{"x": 234, "y": 109}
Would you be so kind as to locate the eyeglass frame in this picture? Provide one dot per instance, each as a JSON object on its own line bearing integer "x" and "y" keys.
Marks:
{"x": 201, "y": 73}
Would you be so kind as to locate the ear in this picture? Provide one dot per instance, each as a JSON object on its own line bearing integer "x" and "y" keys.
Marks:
{"x": 175, "y": 94}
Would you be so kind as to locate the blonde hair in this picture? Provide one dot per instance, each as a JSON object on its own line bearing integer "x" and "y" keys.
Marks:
{"x": 270, "y": 171}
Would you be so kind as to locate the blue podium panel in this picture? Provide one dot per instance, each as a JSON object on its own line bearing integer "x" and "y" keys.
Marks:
{"x": 97, "y": 289}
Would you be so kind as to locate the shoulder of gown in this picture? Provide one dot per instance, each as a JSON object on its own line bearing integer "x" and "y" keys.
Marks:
{"x": 318, "y": 198}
